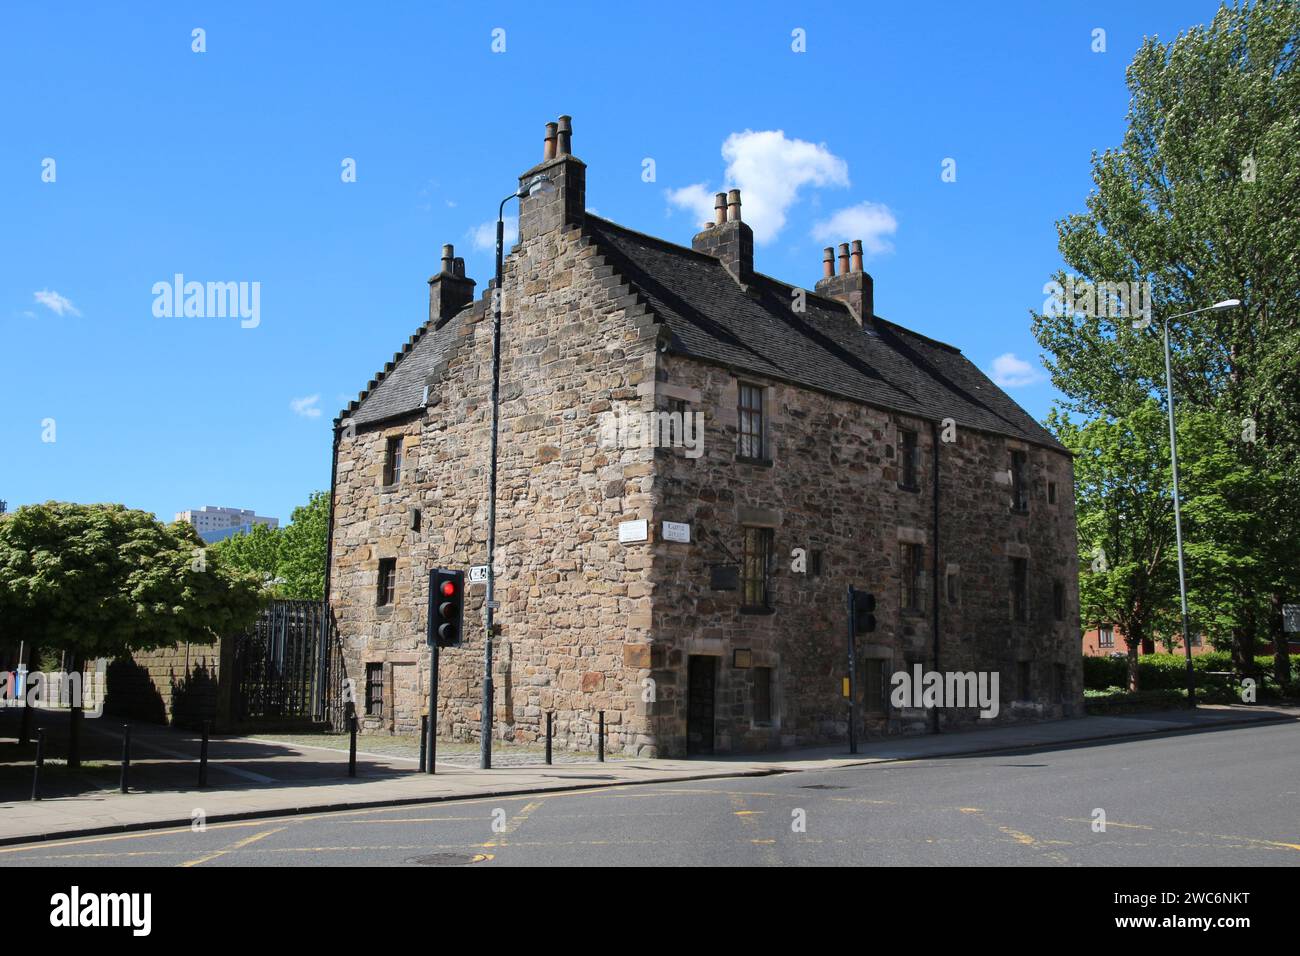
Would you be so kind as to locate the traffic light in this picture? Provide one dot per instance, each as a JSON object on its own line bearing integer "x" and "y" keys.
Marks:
{"x": 864, "y": 612}
{"x": 446, "y": 607}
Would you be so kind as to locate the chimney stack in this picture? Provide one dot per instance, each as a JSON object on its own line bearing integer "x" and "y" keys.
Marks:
{"x": 852, "y": 285}
{"x": 566, "y": 204}
{"x": 449, "y": 290}
{"x": 728, "y": 238}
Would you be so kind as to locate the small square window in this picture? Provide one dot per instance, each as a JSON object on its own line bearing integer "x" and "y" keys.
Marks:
{"x": 387, "y": 586}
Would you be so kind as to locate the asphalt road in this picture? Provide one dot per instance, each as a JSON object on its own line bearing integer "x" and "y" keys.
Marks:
{"x": 1223, "y": 798}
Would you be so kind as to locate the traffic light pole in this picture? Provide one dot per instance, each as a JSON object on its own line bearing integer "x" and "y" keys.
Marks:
{"x": 431, "y": 738}
{"x": 853, "y": 675}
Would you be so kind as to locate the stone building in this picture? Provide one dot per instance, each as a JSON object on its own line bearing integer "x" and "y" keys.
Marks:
{"x": 696, "y": 461}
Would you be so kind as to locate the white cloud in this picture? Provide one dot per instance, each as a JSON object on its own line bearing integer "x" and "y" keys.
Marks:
{"x": 484, "y": 235}
{"x": 58, "y": 304}
{"x": 868, "y": 221}
{"x": 769, "y": 169}
{"x": 1012, "y": 372}
{"x": 306, "y": 407}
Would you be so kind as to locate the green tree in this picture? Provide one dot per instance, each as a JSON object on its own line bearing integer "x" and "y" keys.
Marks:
{"x": 1201, "y": 201}
{"x": 290, "y": 561}
{"x": 105, "y": 580}
{"x": 1125, "y": 523}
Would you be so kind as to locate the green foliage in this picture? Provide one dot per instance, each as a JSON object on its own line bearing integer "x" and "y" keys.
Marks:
{"x": 1169, "y": 671}
{"x": 289, "y": 561}
{"x": 1202, "y": 201}
{"x": 101, "y": 580}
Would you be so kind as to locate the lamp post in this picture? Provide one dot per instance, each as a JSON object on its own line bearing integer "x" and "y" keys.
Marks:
{"x": 539, "y": 185}
{"x": 1173, "y": 457}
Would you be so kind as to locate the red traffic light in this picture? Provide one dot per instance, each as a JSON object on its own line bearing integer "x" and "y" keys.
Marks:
{"x": 448, "y": 588}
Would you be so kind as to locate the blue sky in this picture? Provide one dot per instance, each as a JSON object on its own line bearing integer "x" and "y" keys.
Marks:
{"x": 226, "y": 166}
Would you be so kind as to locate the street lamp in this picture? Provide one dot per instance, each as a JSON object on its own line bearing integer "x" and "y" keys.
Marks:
{"x": 1139, "y": 325}
{"x": 539, "y": 185}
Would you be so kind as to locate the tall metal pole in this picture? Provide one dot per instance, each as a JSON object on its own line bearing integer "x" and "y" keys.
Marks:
{"x": 1178, "y": 524}
{"x": 485, "y": 742}
{"x": 853, "y": 674}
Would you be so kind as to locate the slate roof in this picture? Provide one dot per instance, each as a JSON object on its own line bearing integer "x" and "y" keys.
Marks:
{"x": 399, "y": 388}
{"x": 712, "y": 319}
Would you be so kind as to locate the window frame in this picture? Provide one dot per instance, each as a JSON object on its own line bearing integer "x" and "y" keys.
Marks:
{"x": 1020, "y": 590}
{"x": 374, "y": 689}
{"x": 763, "y": 695}
{"x": 393, "y": 454}
{"x": 1019, "y": 482}
{"x": 1105, "y": 635}
{"x": 751, "y": 422}
{"x": 386, "y": 583}
{"x": 909, "y": 460}
{"x": 911, "y": 597}
{"x": 756, "y": 548}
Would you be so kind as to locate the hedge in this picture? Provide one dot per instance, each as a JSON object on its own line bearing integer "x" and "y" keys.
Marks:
{"x": 1169, "y": 671}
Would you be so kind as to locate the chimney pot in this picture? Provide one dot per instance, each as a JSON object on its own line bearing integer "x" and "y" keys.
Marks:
{"x": 548, "y": 144}
{"x": 828, "y": 262}
{"x": 844, "y": 258}
{"x": 733, "y": 206}
{"x": 564, "y": 136}
{"x": 458, "y": 267}
{"x": 719, "y": 208}
{"x": 855, "y": 256}
{"x": 448, "y": 257}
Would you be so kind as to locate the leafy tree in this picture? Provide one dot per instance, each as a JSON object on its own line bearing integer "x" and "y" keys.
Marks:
{"x": 105, "y": 580}
{"x": 1125, "y": 523}
{"x": 1202, "y": 201}
{"x": 289, "y": 561}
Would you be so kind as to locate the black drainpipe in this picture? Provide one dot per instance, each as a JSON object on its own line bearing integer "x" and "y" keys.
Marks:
{"x": 323, "y": 647}
{"x": 934, "y": 493}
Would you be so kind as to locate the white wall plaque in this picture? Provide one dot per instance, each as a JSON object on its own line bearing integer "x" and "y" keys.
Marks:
{"x": 633, "y": 531}
{"x": 677, "y": 531}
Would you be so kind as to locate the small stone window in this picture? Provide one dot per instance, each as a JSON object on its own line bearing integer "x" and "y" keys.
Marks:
{"x": 874, "y": 685}
{"x": 762, "y": 695}
{"x": 750, "y": 418}
{"x": 374, "y": 690}
{"x": 393, "y": 461}
{"x": 912, "y": 575}
{"x": 1019, "y": 589}
{"x": 1019, "y": 482}
{"x": 1051, "y": 492}
{"x": 755, "y": 565}
{"x": 816, "y": 561}
{"x": 387, "y": 587}
{"x": 954, "y": 588}
{"x": 909, "y": 460}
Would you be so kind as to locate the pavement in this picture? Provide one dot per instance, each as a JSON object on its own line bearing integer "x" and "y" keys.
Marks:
{"x": 253, "y": 777}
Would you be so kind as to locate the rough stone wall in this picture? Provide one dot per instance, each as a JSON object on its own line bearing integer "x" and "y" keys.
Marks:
{"x": 574, "y": 603}
{"x": 177, "y": 685}
{"x": 832, "y": 486}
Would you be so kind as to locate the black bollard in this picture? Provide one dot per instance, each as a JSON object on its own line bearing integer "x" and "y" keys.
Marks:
{"x": 424, "y": 741}
{"x": 40, "y": 762}
{"x": 126, "y": 757}
{"x": 25, "y": 731}
{"x": 352, "y": 745}
{"x": 549, "y": 715}
{"x": 600, "y": 740}
{"x": 203, "y": 755}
